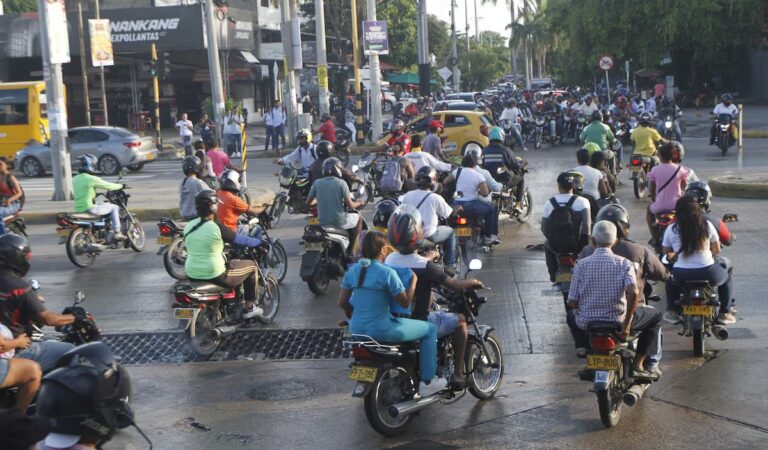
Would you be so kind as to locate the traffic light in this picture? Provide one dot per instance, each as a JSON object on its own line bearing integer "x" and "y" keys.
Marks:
{"x": 164, "y": 65}
{"x": 152, "y": 68}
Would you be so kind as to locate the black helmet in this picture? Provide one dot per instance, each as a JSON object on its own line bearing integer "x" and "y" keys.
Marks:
{"x": 206, "y": 203}
{"x": 426, "y": 177}
{"x": 617, "y": 214}
{"x": 230, "y": 181}
{"x": 678, "y": 151}
{"x": 15, "y": 253}
{"x": 383, "y": 212}
{"x": 405, "y": 229}
{"x": 571, "y": 180}
{"x": 332, "y": 168}
{"x": 727, "y": 97}
{"x": 645, "y": 119}
{"x": 596, "y": 115}
{"x": 701, "y": 191}
{"x": 87, "y": 164}
{"x": 86, "y": 396}
{"x": 191, "y": 164}
{"x": 324, "y": 149}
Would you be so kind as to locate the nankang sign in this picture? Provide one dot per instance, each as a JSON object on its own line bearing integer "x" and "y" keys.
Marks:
{"x": 142, "y": 30}
{"x": 170, "y": 28}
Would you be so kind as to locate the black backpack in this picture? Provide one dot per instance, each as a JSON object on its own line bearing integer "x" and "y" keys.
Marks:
{"x": 450, "y": 189}
{"x": 563, "y": 230}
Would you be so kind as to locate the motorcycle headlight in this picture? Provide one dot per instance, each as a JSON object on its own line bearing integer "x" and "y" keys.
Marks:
{"x": 668, "y": 124}
{"x": 539, "y": 121}
{"x": 724, "y": 127}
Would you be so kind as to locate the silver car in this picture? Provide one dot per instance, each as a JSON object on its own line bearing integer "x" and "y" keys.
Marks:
{"x": 113, "y": 147}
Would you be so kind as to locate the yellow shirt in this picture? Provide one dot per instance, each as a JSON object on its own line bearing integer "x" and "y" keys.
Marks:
{"x": 415, "y": 149}
{"x": 645, "y": 139}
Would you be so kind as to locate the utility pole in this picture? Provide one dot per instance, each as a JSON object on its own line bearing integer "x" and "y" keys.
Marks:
{"x": 423, "y": 49}
{"x": 477, "y": 25}
{"x": 289, "y": 94}
{"x": 57, "y": 108}
{"x": 297, "y": 63}
{"x": 217, "y": 89}
{"x": 156, "y": 94}
{"x": 373, "y": 63}
{"x": 466, "y": 24}
{"x": 322, "y": 59}
{"x": 83, "y": 63}
{"x": 360, "y": 138}
{"x": 101, "y": 74}
{"x": 454, "y": 60}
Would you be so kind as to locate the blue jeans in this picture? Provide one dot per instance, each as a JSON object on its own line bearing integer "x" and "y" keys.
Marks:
{"x": 479, "y": 208}
{"x": 278, "y": 131}
{"x": 236, "y": 141}
{"x": 718, "y": 274}
{"x": 268, "y": 138}
{"x": 444, "y": 235}
{"x": 675, "y": 129}
{"x": 45, "y": 353}
{"x": 518, "y": 137}
{"x": 187, "y": 142}
{"x": 11, "y": 209}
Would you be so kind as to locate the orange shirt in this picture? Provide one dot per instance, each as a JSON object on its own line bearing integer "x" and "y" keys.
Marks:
{"x": 230, "y": 208}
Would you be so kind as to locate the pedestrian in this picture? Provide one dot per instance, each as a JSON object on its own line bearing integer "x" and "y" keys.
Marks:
{"x": 234, "y": 132}
{"x": 219, "y": 160}
{"x": 184, "y": 125}
{"x": 268, "y": 130}
{"x": 307, "y": 106}
{"x": 277, "y": 114}
{"x": 206, "y": 127}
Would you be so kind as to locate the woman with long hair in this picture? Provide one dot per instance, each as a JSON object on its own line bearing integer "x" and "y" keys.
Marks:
{"x": 693, "y": 243}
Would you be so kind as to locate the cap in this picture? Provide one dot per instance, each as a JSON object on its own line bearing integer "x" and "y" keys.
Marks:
{"x": 58, "y": 440}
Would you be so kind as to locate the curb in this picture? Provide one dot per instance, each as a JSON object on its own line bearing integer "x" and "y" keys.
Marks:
{"x": 725, "y": 187}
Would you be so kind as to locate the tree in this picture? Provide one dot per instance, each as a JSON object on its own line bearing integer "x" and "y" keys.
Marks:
{"x": 19, "y": 6}
{"x": 438, "y": 38}
{"x": 485, "y": 64}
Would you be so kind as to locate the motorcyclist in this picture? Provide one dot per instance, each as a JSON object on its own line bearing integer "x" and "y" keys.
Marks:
{"x": 621, "y": 109}
{"x": 304, "y": 155}
{"x": 231, "y": 206}
{"x": 431, "y": 208}
{"x": 331, "y": 195}
{"x": 588, "y": 106}
{"x": 668, "y": 107}
{"x": 23, "y": 374}
{"x": 597, "y": 132}
{"x": 421, "y": 159}
{"x": 595, "y": 183}
{"x": 405, "y": 230}
{"x": 204, "y": 238}
{"x": 497, "y": 156}
{"x": 324, "y": 150}
{"x": 646, "y": 138}
{"x": 399, "y": 136}
{"x": 432, "y": 143}
{"x": 724, "y": 107}
{"x": 86, "y": 399}
{"x": 666, "y": 183}
{"x": 381, "y": 214}
{"x": 512, "y": 114}
{"x": 638, "y": 105}
{"x": 477, "y": 153}
{"x": 191, "y": 185}
{"x": 84, "y": 186}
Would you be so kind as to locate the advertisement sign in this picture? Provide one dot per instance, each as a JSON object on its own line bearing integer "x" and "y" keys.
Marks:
{"x": 58, "y": 35}
{"x": 101, "y": 43}
{"x": 322, "y": 76}
{"x": 375, "y": 40}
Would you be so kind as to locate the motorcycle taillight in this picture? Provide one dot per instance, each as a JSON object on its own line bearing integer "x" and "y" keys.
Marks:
{"x": 361, "y": 352}
{"x": 313, "y": 212}
{"x": 181, "y": 297}
{"x": 665, "y": 219}
{"x": 566, "y": 261}
{"x": 636, "y": 162}
{"x": 603, "y": 343}
{"x": 461, "y": 221}
{"x": 164, "y": 229}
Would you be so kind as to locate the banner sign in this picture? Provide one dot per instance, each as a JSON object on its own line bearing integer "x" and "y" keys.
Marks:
{"x": 375, "y": 40}
{"x": 58, "y": 35}
{"x": 101, "y": 43}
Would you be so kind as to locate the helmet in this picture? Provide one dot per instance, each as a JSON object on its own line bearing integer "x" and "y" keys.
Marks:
{"x": 426, "y": 177}
{"x": 614, "y": 212}
{"x": 475, "y": 152}
{"x": 396, "y": 125}
{"x": 304, "y": 133}
{"x": 405, "y": 229}
{"x": 190, "y": 164}
{"x": 436, "y": 124}
{"x": 496, "y": 134}
{"x": 15, "y": 253}
{"x": 87, "y": 164}
{"x": 727, "y": 97}
{"x": 678, "y": 151}
{"x": 591, "y": 147}
{"x": 596, "y": 115}
{"x": 606, "y": 115}
{"x": 206, "y": 203}
{"x": 87, "y": 395}
{"x": 571, "y": 180}
{"x": 332, "y": 168}
{"x": 383, "y": 211}
{"x": 325, "y": 116}
{"x": 324, "y": 149}
{"x": 645, "y": 118}
{"x": 701, "y": 191}
{"x": 621, "y": 100}
{"x": 230, "y": 181}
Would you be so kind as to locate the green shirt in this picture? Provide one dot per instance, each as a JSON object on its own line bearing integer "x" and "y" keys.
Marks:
{"x": 599, "y": 133}
{"x": 205, "y": 251}
{"x": 331, "y": 193}
{"x": 85, "y": 186}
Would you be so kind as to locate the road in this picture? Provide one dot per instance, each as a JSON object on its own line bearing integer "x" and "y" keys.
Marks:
{"x": 714, "y": 402}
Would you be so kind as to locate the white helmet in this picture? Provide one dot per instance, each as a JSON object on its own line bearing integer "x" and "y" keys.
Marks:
{"x": 476, "y": 151}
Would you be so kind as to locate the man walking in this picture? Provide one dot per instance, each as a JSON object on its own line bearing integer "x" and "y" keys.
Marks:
{"x": 185, "y": 128}
{"x": 277, "y": 116}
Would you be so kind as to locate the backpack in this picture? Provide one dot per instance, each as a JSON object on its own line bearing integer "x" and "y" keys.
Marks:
{"x": 450, "y": 189}
{"x": 563, "y": 230}
{"x": 391, "y": 178}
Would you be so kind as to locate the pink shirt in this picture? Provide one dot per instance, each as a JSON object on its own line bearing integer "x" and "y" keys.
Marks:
{"x": 219, "y": 161}
{"x": 666, "y": 199}
{"x": 658, "y": 89}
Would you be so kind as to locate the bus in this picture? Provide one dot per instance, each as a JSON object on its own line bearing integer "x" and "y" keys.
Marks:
{"x": 23, "y": 116}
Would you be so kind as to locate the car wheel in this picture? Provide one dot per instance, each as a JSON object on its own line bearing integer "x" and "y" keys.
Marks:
{"x": 109, "y": 165}
{"x": 31, "y": 167}
{"x": 136, "y": 167}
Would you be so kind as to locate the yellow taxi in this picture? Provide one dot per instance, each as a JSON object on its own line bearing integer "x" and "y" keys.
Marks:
{"x": 461, "y": 129}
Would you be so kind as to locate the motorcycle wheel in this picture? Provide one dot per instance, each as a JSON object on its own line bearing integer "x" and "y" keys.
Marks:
{"x": 723, "y": 143}
{"x": 537, "y": 141}
{"x": 343, "y": 155}
{"x": 564, "y": 138}
{"x": 698, "y": 342}
{"x": 389, "y": 388}
{"x": 278, "y": 206}
{"x": 318, "y": 282}
{"x": 484, "y": 375}
{"x": 135, "y": 234}
{"x": 639, "y": 185}
{"x": 79, "y": 238}
{"x": 201, "y": 336}
{"x": 277, "y": 261}
{"x": 174, "y": 257}
{"x": 609, "y": 403}
{"x": 527, "y": 207}
{"x": 270, "y": 299}
{"x": 553, "y": 141}
{"x": 366, "y": 197}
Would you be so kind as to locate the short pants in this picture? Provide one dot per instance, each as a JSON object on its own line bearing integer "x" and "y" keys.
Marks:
{"x": 445, "y": 322}
{"x": 3, "y": 369}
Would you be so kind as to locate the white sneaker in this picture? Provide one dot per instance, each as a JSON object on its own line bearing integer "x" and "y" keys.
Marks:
{"x": 726, "y": 319}
{"x": 434, "y": 386}
{"x": 671, "y": 317}
{"x": 255, "y": 311}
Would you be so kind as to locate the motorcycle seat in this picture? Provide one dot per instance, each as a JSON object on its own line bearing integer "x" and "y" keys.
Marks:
{"x": 334, "y": 230}
{"x": 603, "y": 327}
{"x": 697, "y": 284}
{"x": 208, "y": 287}
{"x": 86, "y": 216}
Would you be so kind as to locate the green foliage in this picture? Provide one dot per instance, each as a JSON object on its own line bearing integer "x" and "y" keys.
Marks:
{"x": 19, "y": 6}
{"x": 486, "y": 63}
{"x": 400, "y": 16}
{"x": 438, "y": 37}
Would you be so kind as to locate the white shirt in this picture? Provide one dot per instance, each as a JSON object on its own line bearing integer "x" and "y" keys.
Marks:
{"x": 493, "y": 185}
{"x": 8, "y": 336}
{"x": 422, "y": 159}
{"x": 301, "y": 156}
{"x": 701, "y": 258}
{"x": 650, "y": 105}
{"x": 579, "y": 204}
{"x": 277, "y": 116}
{"x": 592, "y": 179}
{"x": 185, "y": 127}
{"x": 510, "y": 114}
{"x": 587, "y": 110}
{"x": 431, "y": 209}
{"x": 232, "y": 124}
{"x": 468, "y": 184}
{"x": 722, "y": 109}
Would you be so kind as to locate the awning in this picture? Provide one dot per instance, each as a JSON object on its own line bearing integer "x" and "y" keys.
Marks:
{"x": 248, "y": 56}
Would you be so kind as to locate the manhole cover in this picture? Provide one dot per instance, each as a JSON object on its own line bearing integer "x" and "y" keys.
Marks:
{"x": 282, "y": 390}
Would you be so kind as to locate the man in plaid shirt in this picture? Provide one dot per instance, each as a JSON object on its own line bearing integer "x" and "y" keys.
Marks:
{"x": 604, "y": 289}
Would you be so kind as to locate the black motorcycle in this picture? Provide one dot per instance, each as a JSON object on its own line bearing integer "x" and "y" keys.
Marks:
{"x": 370, "y": 168}
{"x": 505, "y": 200}
{"x": 724, "y": 133}
{"x": 87, "y": 235}
{"x": 294, "y": 189}
{"x": 387, "y": 374}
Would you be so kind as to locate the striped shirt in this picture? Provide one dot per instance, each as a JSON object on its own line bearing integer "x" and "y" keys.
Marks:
{"x": 598, "y": 285}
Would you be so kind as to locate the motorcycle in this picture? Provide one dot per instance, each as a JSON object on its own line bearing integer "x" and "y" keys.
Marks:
{"x": 537, "y": 132}
{"x": 294, "y": 189}
{"x": 639, "y": 166}
{"x": 551, "y": 132}
{"x": 569, "y": 128}
{"x": 724, "y": 133}
{"x": 387, "y": 374}
{"x": 669, "y": 131}
{"x": 207, "y": 312}
{"x": 507, "y": 125}
{"x": 369, "y": 168}
{"x": 86, "y": 234}
{"x": 468, "y": 231}
{"x": 624, "y": 131}
{"x": 505, "y": 200}
{"x": 663, "y": 220}
{"x": 581, "y": 122}
{"x": 566, "y": 261}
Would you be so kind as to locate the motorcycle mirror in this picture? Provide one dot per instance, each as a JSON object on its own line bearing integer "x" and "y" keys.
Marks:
{"x": 79, "y": 297}
{"x": 475, "y": 264}
{"x": 729, "y": 217}
{"x": 355, "y": 168}
{"x": 35, "y": 284}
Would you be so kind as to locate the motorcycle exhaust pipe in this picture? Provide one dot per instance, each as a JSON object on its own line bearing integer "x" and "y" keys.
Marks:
{"x": 226, "y": 329}
{"x": 634, "y": 394}
{"x": 411, "y": 406}
{"x": 721, "y": 333}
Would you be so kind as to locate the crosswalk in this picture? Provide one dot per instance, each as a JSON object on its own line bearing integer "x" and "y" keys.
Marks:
{"x": 153, "y": 170}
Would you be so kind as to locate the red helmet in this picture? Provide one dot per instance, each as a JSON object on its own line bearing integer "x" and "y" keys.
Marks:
{"x": 405, "y": 229}
{"x": 436, "y": 124}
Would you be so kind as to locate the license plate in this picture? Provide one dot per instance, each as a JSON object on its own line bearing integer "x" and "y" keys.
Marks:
{"x": 563, "y": 277}
{"x": 603, "y": 362}
{"x": 183, "y": 313}
{"x": 463, "y": 232}
{"x": 636, "y": 168}
{"x": 62, "y": 232}
{"x": 697, "y": 310}
{"x": 312, "y": 221}
{"x": 164, "y": 240}
{"x": 150, "y": 156}
{"x": 313, "y": 246}
{"x": 362, "y": 373}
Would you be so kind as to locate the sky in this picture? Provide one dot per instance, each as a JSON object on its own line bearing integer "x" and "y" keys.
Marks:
{"x": 491, "y": 17}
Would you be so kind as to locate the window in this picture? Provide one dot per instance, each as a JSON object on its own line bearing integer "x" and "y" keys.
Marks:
{"x": 86, "y": 136}
{"x": 122, "y": 132}
{"x": 14, "y": 107}
{"x": 455, "y": 121}
{"x": 265, "y": 3}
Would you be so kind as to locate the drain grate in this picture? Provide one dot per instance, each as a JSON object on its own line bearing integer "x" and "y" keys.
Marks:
{"x": 170, "y": 347}
{"x": 740, "y": 333}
